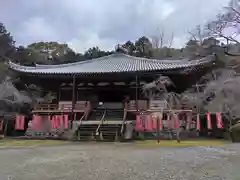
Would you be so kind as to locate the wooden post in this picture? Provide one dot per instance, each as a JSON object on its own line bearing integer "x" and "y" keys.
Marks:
{"x": 59, "y": 94}
{"x": 73, "y": 99}
{"x": 197, "y": 109}
{"x": 158, "y": 130}
{"x": 136, "y": 92}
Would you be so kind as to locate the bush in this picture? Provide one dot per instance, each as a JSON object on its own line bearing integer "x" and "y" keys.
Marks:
{"x": 235, "y": 132}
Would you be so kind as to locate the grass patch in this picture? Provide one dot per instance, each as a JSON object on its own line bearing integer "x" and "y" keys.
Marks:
{"x": 28, "y": 143}
{"x": 186, "y": 143}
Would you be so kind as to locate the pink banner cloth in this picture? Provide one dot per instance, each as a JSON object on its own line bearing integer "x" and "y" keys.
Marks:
{"x": 160, "y": 123}
{"x": 1, "y": 125}
{"x": 154, "y": 123}
{"x": 168, "y": 121}
{"x": 198, "y": 122}
{"x": 175, "y": 121}
{"x": 139, "y": 126}
{"x": 219, "y": 120}
{"x": 61, "y": 122}
{"x": 65, "y": 117}
{"x": 209, "y": 123}
{"x": 189, "y": 119}
{"x": 36, "y": 122}
{"x": 148, "y": 123}
{"x": 55, "y": 123}
{"x": 19, "y": 122}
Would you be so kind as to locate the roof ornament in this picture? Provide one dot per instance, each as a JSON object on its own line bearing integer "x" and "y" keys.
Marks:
{"x": 120, "y": 49}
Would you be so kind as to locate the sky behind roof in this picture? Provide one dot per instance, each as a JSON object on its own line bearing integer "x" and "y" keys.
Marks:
{"x": 86, "y": 23}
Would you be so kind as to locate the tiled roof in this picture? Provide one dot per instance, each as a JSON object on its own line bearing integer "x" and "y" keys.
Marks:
{"x": 112, "y": 63}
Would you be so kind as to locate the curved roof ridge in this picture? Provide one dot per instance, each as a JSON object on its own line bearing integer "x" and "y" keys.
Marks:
{"x": 106, "y": 57}
{"x": 74, "y": 63}
{"x": 111, "y": 63}
{"x": 45, "y": 66}
{"x": 18, "y": 66}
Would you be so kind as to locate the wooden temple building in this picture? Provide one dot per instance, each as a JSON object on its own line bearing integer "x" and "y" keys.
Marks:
{"x": 93, "y": 93}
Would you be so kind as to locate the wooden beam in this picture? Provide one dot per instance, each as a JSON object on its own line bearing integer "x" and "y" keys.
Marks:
{"x": 73, "y": 98}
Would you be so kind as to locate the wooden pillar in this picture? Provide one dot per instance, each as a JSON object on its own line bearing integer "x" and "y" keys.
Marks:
{"x": 59, "y": 93}
{"x": 73, "y": 97}
{"x": 136, "y": 89}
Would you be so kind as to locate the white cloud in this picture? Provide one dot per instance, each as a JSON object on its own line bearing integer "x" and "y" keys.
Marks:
{"x": 90, "y": 40}
{"x": 104, "y": 23}
{"x": 38, "y": 29}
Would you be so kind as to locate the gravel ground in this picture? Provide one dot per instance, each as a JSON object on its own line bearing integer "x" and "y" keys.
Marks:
{"x": 96, "y": 161}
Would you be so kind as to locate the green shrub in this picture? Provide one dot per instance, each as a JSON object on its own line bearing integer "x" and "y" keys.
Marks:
{"x": 235, "y": 131}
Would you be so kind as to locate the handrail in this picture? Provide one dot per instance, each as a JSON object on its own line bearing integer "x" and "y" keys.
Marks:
{"x": 101, "y": 121}
{"x": 123, "y": 121}
{"x": 74, "y": 130}
{"x": 80, "y": 121}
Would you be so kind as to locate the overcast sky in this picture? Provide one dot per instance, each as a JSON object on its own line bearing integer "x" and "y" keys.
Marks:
{"x": 104, "y": 23}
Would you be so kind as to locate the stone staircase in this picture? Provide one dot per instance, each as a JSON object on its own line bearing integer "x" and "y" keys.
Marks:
{"x": 110, "y": 129}
{"x": 87, "y": 129}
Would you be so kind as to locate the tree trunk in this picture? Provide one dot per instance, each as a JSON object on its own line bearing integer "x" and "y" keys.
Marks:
{"x": 5, "y": 129}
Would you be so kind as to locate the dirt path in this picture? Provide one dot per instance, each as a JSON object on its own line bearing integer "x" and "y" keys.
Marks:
{"x": 119, "y": 162}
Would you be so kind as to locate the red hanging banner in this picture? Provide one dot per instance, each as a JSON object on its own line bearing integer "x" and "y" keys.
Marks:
{"x": 175, "y": 121}
{"x": 1, "y": 125}
{"x": 160, "y": 123}
{"x": 148, "y": 123}
{"x": 154, "y": 123}
{"x": 36, "y": 122}
{"x": 65, "y": 117}
{"x": 61, "y": 123}
{"x": 219, "y": 120}
{"x": 189, "y": 119}
{"x": 168, "y": 121}
{"x": 49, "y": 122}
{"x": 56, "y": 121}
{"x": 209, "y": 123}
{"x": 198, "y": 122}
{"x": 139, "y": 126}
{"x": 53, "y": 122}
{"x": 33, "y": 122}
{"x": 19, "y": 122}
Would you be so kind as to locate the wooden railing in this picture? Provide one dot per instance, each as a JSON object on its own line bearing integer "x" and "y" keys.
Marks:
{"x": 80, "y": 106}
{"x": 46, "y": 107}
{"x": 101, "y": 121}
{"x": 123, "y": 122}
{"x": 133, "y": 105}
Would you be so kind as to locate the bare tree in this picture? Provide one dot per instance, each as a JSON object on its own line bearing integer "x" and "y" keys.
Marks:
{"x": 14, "y": 101}
{"x": 227, "y": 24}
{"x": 157, "y": 90}
{"x": 197, "y": 34}
{"x": 157, "y": 40}
{"x": 162, "y": 43}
